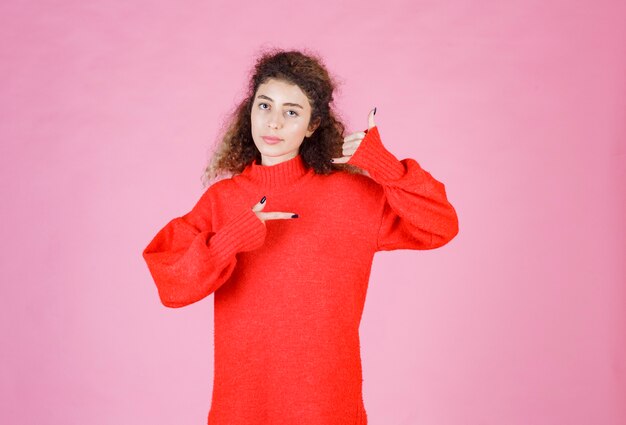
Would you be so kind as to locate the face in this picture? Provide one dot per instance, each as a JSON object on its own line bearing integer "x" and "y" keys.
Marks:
{"x": 281, "y": 111}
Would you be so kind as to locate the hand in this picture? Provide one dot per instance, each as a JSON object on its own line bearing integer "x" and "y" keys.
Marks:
{"x": 270, "y": 215}
{"x": 353, "y": 141}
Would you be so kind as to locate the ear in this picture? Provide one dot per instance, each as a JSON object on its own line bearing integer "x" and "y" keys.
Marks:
{"x": 312, "y": 127}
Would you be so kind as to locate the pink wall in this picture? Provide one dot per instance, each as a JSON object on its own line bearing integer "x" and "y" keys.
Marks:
{"x": 108, "y": 110}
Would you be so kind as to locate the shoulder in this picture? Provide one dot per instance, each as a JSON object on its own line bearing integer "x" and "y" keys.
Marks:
{"x": 358, "y": 179}
{"x": 354, "y": 183}
{"x": 224, "y": 184}
{"x": 357, "y": 195}
{"x": 219, "y": 188}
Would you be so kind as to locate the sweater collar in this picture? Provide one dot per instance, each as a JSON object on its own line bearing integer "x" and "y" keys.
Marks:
{"x": 278, "y": 175}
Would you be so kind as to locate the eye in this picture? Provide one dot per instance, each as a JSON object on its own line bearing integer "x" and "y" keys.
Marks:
{"x": 295, "y": 114}
{"x": 262, "y": 103}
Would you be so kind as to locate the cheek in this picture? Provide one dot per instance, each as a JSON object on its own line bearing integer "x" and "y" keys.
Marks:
{"x": 255, "y": 122}
{"x": 304, "y": 128}
{"x": 298, "y": 126}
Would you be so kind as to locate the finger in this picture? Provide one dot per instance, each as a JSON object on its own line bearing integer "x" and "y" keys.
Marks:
{"x": 348, "y": 151}
{"x": 370, "y": 119}
{"x": 354, "y": 136}
{"x": 260, "y": 205}
{"x": 278, "y": 215}
{"x": 341, "y": 160}
{"x": 351, "y": 145}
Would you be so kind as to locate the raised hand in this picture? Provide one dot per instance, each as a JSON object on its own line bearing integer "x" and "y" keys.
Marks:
{"x": 352, "y": 141}
{"x": 270, "y": 215}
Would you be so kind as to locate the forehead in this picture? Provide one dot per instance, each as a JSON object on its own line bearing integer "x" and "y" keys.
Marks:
{"x": 282, "y": 92}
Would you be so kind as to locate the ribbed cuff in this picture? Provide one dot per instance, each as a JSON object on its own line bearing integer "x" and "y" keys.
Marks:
{"x": 244, "y": 232}
{"x": 372, "y": 156}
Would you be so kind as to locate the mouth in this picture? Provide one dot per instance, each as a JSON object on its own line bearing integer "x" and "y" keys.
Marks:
{"x": 271, "y": 140}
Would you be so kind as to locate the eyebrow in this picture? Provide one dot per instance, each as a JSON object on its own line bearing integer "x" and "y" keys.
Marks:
{"x": 262, "y": 96}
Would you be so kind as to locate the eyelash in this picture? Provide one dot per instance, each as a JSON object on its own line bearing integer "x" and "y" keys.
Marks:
{"x": 296, "y": 114}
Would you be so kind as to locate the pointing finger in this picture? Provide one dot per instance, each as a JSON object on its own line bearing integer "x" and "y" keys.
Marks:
{"x": 259, "y": 205}
{"x": 370, "y": 119}
{"x": 341, "y": 160}
{"x": 279, "y": 215}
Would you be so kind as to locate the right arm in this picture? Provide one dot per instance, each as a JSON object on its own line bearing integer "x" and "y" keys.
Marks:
{"x": 189, "y": 260}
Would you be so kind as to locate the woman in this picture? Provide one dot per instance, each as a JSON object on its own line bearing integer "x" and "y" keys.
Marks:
{"x": 286, "y": 245}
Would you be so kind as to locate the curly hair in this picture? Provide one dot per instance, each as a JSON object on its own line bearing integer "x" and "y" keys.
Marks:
{"x": 236, "y": 148}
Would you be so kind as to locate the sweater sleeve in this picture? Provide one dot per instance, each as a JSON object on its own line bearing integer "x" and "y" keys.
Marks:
{"x": 416, "y": 213}
{"x": 189, "y": 259}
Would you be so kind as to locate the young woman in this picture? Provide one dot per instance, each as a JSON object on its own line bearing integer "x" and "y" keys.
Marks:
{"x": 286, "y": 245}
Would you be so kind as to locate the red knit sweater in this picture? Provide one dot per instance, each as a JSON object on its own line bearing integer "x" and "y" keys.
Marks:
{"x": 289, "y": 293}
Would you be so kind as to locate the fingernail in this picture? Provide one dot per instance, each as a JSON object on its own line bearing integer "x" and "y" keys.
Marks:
{"x": 294, "y": 216}
{"x": 263, "y": 200}
{"x": 374, "y": 110}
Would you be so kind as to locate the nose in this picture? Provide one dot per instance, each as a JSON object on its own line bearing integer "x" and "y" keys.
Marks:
{"x": 275, "y": 120}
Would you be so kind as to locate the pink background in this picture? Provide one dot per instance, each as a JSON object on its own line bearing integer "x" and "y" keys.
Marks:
{"x": 108, "y": 112}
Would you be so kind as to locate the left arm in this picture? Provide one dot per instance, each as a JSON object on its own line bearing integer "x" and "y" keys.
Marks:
{"x": 417, "y": 213}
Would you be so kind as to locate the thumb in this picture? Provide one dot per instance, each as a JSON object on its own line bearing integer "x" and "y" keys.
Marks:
{"x": 259, "y": 205}
{"x": 370, "y": 119}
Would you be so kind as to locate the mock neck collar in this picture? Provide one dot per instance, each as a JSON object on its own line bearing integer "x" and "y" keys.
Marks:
{"x": 276, "y": 176}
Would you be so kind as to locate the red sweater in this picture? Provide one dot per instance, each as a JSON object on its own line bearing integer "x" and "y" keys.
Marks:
{"x": 289, "y": 293}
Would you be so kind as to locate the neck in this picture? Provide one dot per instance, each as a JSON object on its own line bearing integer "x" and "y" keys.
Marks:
{"x": 274, "y": 160}
{"x": 277, "y": 176}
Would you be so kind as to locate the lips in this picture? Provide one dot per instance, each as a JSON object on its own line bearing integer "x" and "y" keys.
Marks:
{"x": 271, "y": 140}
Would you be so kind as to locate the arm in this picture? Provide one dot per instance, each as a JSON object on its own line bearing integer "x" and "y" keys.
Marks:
{"x": 189, "y": 260}
{"x": 416, "y": 214}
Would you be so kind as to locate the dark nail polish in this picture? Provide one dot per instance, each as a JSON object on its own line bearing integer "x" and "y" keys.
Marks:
{"x": 294, "y": 216}
{"x": 374, "y": 110}
{"x": 263, "y": 200}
